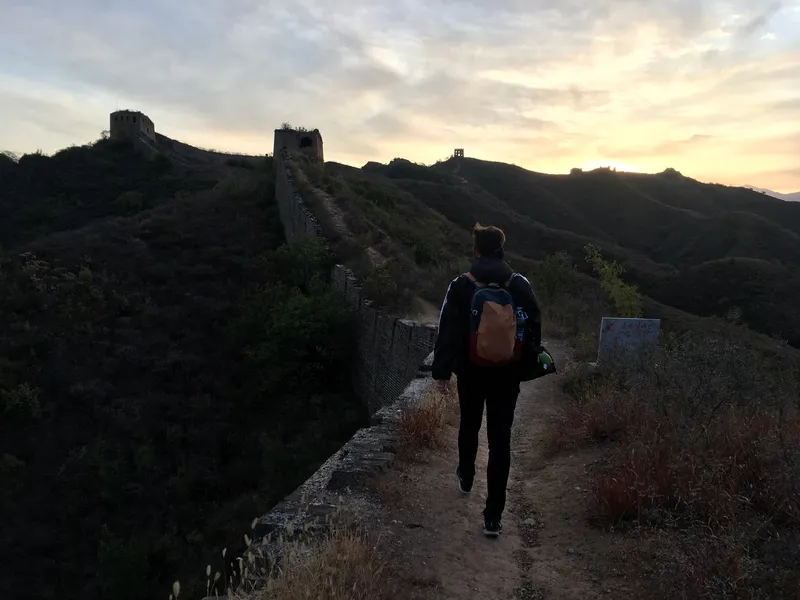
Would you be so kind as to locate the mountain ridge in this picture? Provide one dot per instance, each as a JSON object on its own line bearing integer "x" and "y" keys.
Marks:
{"x": 790, "y": 197}
{"x": 670, "y": 232}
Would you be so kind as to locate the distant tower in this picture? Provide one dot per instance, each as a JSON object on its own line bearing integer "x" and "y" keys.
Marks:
{"x": 458, "y": 153}
{"x": 131, "y": 124}
{"x": 305, "y": 142}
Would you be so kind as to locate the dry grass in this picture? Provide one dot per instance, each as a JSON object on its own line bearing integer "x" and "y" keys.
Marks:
{"x": 706, "y": 440}
{"x": 334, "y": 560}
{"x": 346, "y": 565}
{"x": 422, "y": 424}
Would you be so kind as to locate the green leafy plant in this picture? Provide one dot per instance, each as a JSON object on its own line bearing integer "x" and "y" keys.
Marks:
{"x": 305, "y": 264}
{"x": 626, "y": 297}
{"x": 379, "y": 284}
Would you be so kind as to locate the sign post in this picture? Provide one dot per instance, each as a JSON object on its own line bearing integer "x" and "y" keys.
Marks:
{"x": 626, "y": 335}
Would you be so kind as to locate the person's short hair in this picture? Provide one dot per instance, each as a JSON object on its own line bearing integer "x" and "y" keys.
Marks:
{"x": 487, "y": 239}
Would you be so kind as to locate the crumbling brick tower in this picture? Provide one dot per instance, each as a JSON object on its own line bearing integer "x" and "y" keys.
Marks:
{"x": 299, "y": 141}
{"x": 131, "y": 124}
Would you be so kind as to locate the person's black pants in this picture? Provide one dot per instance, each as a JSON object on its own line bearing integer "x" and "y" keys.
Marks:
{"x": 498, "y": 389}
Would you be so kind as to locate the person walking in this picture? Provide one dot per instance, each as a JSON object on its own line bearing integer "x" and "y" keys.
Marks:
{"x": 489, "y": 329}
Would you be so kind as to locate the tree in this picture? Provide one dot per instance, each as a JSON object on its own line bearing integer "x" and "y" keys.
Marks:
{"x": 626, "y": 297}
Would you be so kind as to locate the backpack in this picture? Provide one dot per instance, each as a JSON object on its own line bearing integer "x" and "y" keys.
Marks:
{"x": 496, "y": 334}
{"x": 533, "y": 368}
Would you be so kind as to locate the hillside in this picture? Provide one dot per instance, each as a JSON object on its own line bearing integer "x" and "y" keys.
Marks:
{"x": 707, "y": 249}
{"x": 46, "y": 194}
{"x": 674, "y": 476}
{"x": 155, "y": 392}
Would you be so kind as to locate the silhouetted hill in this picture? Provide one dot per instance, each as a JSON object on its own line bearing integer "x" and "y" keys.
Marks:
{"x": 744, "y": 290}
{"x": 45, "y": 194}
{"x": 673, "y": 234}
{"x": 152, "y": 399}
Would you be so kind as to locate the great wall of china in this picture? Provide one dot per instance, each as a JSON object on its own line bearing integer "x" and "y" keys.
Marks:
{"x": 392, "y": 364}
{"x": 393, "y": 358}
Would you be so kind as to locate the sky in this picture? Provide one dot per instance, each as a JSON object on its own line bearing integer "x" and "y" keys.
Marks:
{"x": 708, "y": 87}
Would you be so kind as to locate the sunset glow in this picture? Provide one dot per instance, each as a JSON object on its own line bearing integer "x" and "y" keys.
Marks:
{"x": 711, "y": 89}
{"x": 615, "y": 166}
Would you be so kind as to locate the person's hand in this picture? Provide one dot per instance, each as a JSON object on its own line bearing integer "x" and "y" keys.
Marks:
{"x": 443, "y": 386}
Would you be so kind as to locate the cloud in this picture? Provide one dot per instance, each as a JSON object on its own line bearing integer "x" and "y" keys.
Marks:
{"x": 662, "y": 149}
{"x": 695, "y": 84}
{"x": 784, "y": 181}
{"x": 786, "y": 107}
{"x": 760, "y": 21}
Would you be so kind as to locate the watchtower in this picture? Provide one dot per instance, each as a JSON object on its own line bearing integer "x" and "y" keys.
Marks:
{"x": 458, "y": 153}
{"x": 301, "y": 141}
{"x": 131, "y": 124}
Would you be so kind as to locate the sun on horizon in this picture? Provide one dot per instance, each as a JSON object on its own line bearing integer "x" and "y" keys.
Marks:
{"x": 612, "y": 164}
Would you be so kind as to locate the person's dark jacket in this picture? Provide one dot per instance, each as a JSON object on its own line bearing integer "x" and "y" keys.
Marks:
{"x": 451, "y": 353}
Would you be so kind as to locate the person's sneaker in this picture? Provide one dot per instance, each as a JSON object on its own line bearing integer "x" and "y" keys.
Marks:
{"x": 492, "y": 529}
{"x": 464, "y": 484}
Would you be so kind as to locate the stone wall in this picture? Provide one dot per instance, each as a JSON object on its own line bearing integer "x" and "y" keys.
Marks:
{"x": 368, "y": 453}
{"x": 390, "y": 349}
{"x": 392, "y": 370}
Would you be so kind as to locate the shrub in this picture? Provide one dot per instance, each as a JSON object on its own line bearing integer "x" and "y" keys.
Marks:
{"x": 707, "y": 436}
{"x": 572, "y": 303}
{"x": 236, "y": 185}
{"x": 85, "y": 275}
{"x": 241, "y": 163}
{"x": 422, "y": 424}
{"x": 22, "y": 400}
{"x": 434, "y": 279}
{"x": 162, "y": 164}
{"x": 129, "y": 202}
{"x": 379, "y": 285}
{"x": 555, "y": 275}
{"x": 391, "y": 285}
{"x": 626, "y": 297}
{"x": 346, "y": 566}
{"x": 334, "y": 560}
{"x": 305, "y": 264}
{"x": 9, "y": 463}
{"x": 298, "y": 339}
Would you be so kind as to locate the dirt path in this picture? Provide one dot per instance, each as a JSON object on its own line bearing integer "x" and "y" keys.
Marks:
{"x": 547, "y": 550}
